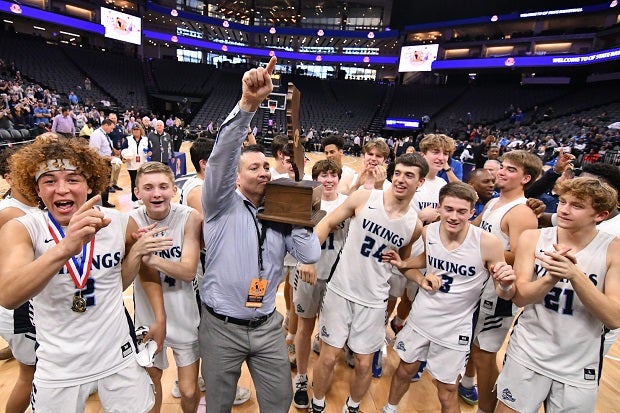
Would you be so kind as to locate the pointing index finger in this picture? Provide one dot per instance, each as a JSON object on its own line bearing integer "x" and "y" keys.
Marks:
{"x": 89, "y": 204}
{"x": 271, "y": 65}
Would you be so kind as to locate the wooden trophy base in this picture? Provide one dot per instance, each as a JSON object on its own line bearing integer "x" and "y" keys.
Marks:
{"x": 291, "y": 202}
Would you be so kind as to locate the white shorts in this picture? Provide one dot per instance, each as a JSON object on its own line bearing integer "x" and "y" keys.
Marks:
{"x": 183, "y": 356}
{"x": 288, "y": 273}
{"x": 444, "y": 364}
{"x": 397, "y": 283}
{"x": 525, "y": 391}
{"x": 307, "y": 298}
{"x": 343, "y": 321}
{"x": 22, "y": 347}
{"x": 610, "y": 339}
{"x": 127, "y": 391}
{"x": 491, "y": 331}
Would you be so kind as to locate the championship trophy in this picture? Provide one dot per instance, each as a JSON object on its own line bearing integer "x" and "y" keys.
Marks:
{"x": 296, "y": 201}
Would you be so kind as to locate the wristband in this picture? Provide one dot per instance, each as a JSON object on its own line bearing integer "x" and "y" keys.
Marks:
{"x": 448, "y": 170}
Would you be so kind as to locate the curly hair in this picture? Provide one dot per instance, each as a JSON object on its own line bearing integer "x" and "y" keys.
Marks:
{"x": 602, "y": 196}
{"x": 437, "y": 141}
{"x": 25, "y": 163}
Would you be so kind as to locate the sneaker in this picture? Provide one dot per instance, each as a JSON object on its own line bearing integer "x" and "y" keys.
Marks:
{"x": 418, "y": 375}
{"x": 386, "y": 410}
{"x": 201, "y": 384}
{"x": 316, "y": 344}
{"x": 243, "y": 395}
{"x": 316, "y": 409}
{"x": 118, "y": 188}
{"x": 395, "y": 328}
{"x": 348, "y": 409}
{"x": 111, "y": 189}
{"x": 292, "y": 356}
{"x": 469, "y": 396}
{"x": 300, "y": 399}
{"x": 176, "y": 393}
{"x": 349, "y": 356}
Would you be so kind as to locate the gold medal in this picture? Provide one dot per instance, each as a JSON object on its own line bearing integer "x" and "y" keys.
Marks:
{"x": 79, "y": 304}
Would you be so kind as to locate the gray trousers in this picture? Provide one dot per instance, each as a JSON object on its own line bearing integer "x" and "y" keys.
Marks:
{"x": 223, "y": 349}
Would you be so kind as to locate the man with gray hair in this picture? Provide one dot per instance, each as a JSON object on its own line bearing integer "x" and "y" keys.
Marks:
{"x": 160, "y": 143}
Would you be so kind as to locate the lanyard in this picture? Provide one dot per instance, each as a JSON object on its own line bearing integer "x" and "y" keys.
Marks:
{"x": 260, "y": 234}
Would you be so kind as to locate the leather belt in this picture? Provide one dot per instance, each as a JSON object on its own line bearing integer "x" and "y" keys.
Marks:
{"x": 252, "y": 323}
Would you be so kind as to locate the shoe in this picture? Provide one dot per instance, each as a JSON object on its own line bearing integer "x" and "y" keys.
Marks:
{"x": 316, "y": 409}
{"x": 418, "y": 375}
{"x": 111, "y": 189}
{"x": 300, "y": 399}
{"x": 292, "y": 356}
{"x": 201, "y": 384}
{"x": 377, "y": 364}
{"x": 348, "y": 409}
{"x": 108, "y": 205}
{"x": 386, "y": 410}
{"x": 349, "y": 356}
{"x": 118, "y": 188}
{"x": 175, "y": 392}
{"x": 316, "y": 344}
{"x": 469, "y": 396}
{"x": 395, "y": 328}
{"x": 243, "y": 395}
{"x": 6, "y": 353}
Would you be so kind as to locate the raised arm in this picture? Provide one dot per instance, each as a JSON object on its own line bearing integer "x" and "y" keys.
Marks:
{"x": 221, "y": 171}
{"x": 344, "y": 211}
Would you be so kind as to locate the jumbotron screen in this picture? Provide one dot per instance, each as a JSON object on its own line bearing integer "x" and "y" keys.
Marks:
{"x": 417, "y": 58}
{"x": 121, "y": 26}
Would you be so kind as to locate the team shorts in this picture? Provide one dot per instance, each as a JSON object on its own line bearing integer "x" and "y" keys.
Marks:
{"x": 129, "y": 390}
{"x": 22, "y": 346}
{"x": 397, "y": 283}
{"x": 343, "y": 321}
{"x": 444, "y": 364}
{"x": 288, "y": 273}
{"x": 184, "y": 355}
{"x": 525, "y": 391}
{"x": 610, "y": 339}
{"x": 491, "y": 331}
{"x": 307, "y": 298}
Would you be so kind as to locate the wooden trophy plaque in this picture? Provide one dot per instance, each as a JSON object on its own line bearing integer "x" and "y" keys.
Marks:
{"x": 291, "y": 201}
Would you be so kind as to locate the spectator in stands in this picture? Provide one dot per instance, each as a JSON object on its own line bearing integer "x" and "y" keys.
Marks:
{"x": 73, "y": 99}
{"x": 62, "y": 123}
{"x": 86, "y": 130}
{"x": 87, "y": 84}
{"x": 160, "y": 143}
{"x": 42, "y": 113}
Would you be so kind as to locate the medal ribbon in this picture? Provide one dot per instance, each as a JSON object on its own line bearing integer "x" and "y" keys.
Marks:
{"x": 78, "y": 270}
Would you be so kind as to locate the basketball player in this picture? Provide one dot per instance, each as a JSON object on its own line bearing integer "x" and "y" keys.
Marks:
{"x": 506, "y": 217}
{"x": 333, "y": 147}
{"x": 68, "y": 259}
{"x": 568, "y": 281}
{"x": 355, "y": 301}
{"x": 458, "y": 259}
{"x": 373, "y": 174}
{"x": 164, "y": 295}
{"x": 16, "y": 325}
{"x": 309, "y": 293}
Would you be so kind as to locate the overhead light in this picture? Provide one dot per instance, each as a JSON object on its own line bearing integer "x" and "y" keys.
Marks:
{"x": 7, "y": 21}
{"x": 38, "y": 28}
{"x": 70, "y": 34}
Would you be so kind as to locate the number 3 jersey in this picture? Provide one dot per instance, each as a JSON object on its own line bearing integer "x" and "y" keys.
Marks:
{"x": 76, "y": 348}
{"x": 182, "y": 316}
{"x": 361, "y": 276}
{"x": 558, "y": 337}
{"x": 446, "y": 316}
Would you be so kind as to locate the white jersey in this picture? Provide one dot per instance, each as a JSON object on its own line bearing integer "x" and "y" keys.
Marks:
{"x": 330, "y": 250}
{"x": 19, "y": 320}
{"x": 463, "y": 278}
{"x": 427, "y": 194}
{"x": 188, "y": 186}
{"x": 182, "y": 316}
{"x": 491, "y": 222}
{"x": 361, "y": 276}
{"x": 558, "y": 337}
{"x": 76, "y": 348}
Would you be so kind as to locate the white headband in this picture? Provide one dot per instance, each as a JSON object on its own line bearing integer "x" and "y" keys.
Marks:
{"x": 54, "y": 165}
